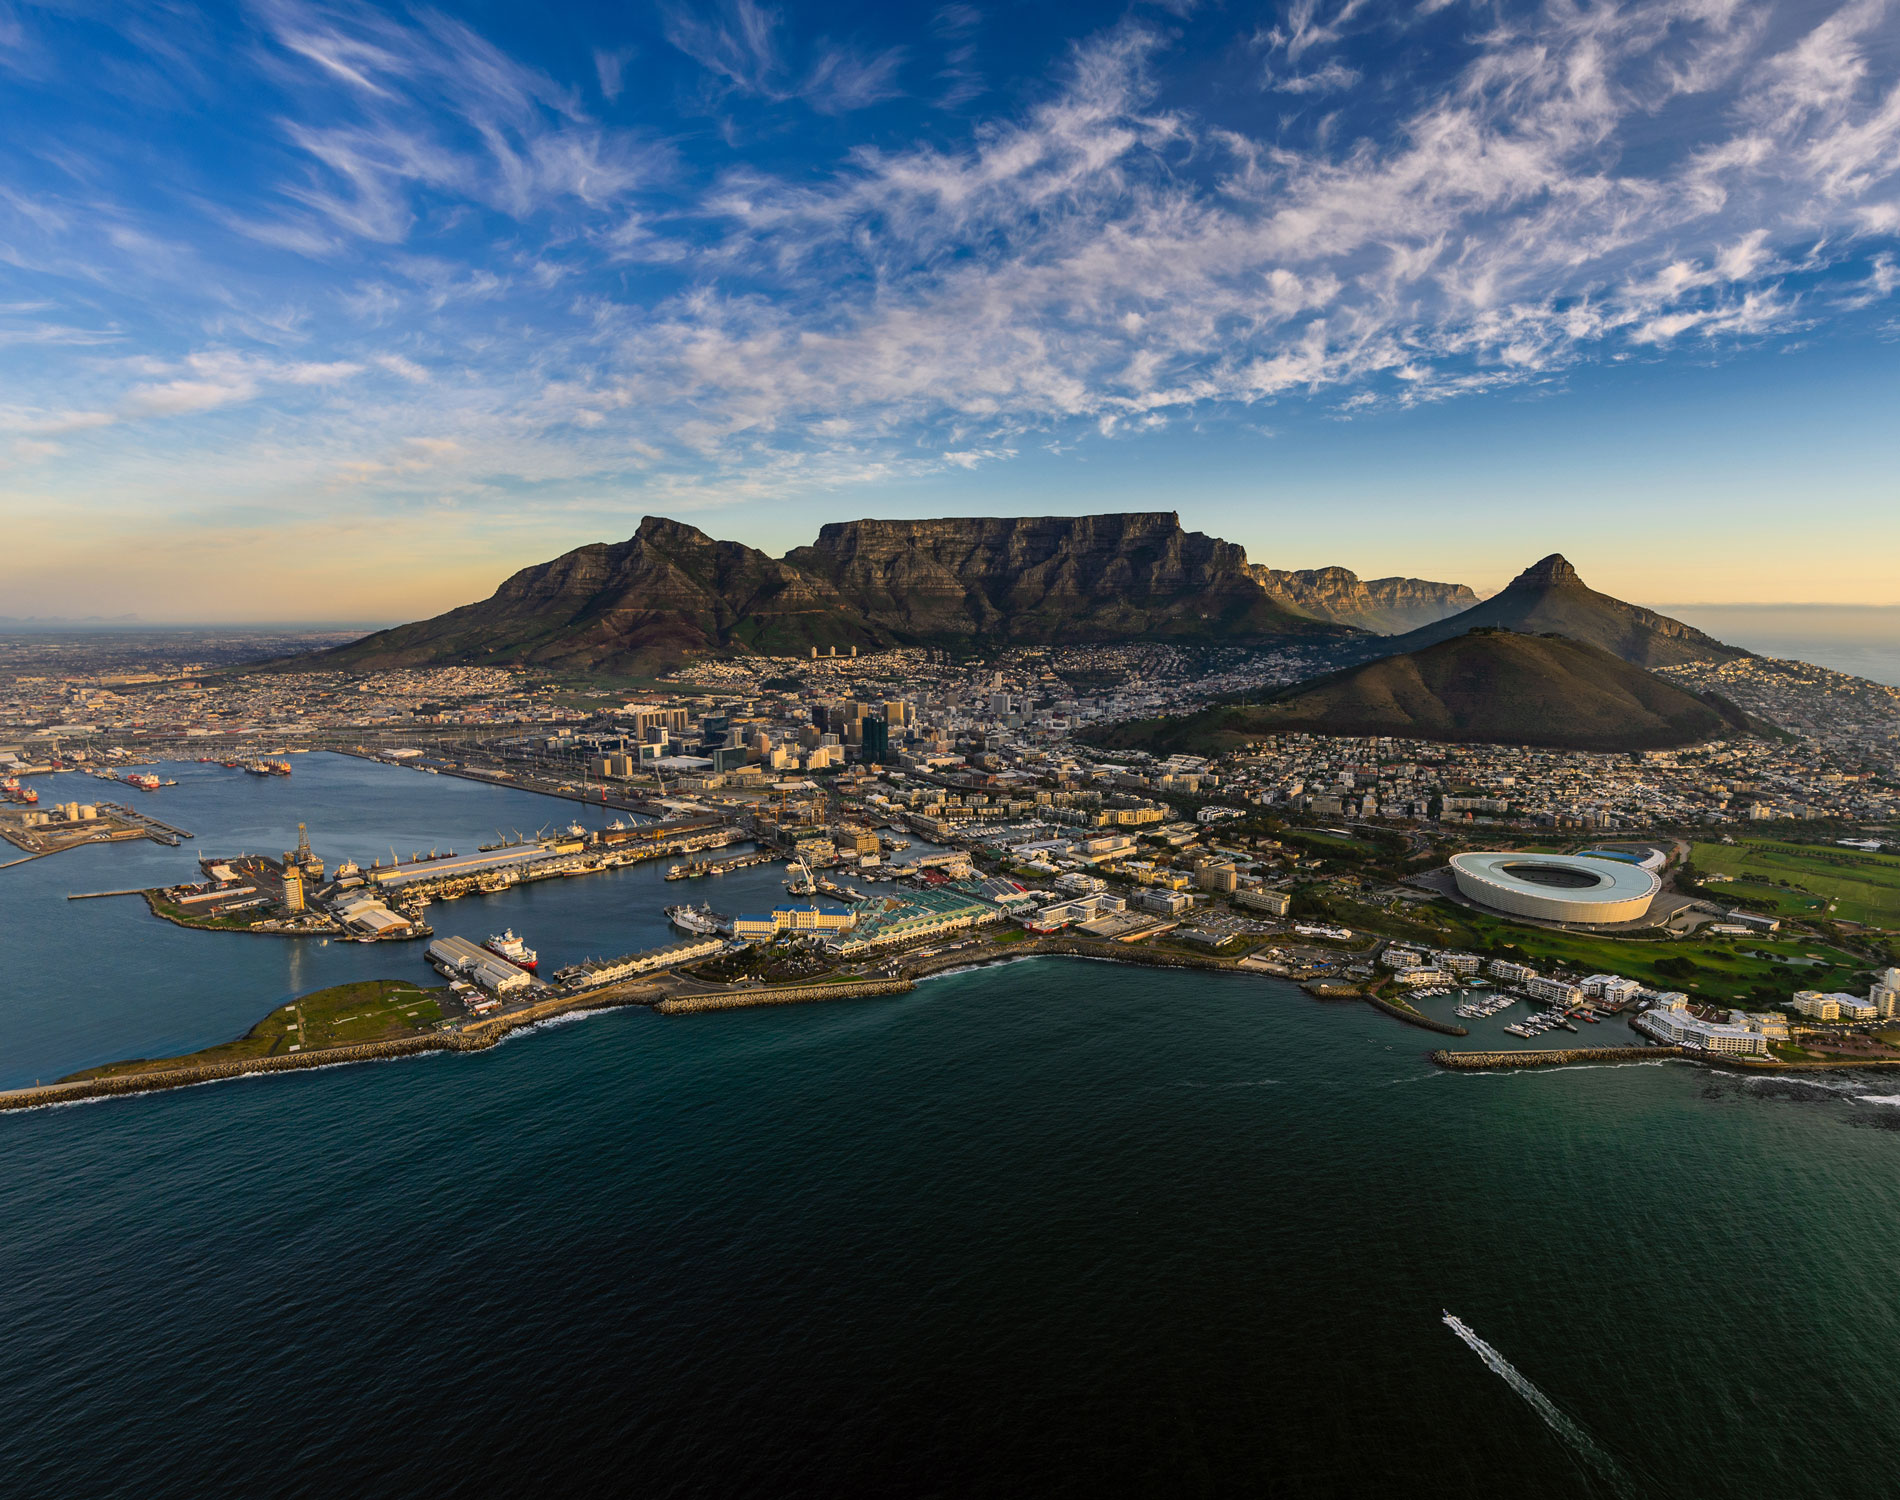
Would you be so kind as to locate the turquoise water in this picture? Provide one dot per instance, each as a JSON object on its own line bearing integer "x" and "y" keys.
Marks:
{"x": 1055, "y": 1227}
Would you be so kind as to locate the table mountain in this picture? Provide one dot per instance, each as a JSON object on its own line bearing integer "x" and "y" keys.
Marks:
{"x": 1040, "y": 579}
{"x": 1489, "y": 686}
{"x": 671, "y": 592}
{"x": 1548, "y": 596}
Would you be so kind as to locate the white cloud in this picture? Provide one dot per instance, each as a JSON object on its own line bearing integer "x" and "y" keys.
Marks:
{"x": 1646, "y": 176}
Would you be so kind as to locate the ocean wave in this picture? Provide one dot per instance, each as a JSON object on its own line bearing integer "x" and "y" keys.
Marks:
{"x": 1826, "y": 1085}
{"x": 1878, "y": 1098}
{"x": 548, "y": 1023}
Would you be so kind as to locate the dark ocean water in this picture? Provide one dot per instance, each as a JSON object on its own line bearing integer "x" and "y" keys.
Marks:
{"x": 1055, "y": 1227}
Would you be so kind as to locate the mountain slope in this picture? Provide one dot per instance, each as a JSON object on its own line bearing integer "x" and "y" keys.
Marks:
{"x": 1490, "y": 686}
{"x": 1549, "y": 597}
{"x": 1384, "y": 606}
{"x": 671, "y": 592}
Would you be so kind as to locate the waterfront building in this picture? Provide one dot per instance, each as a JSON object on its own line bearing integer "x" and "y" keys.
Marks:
{"x": 1817, "y": 1006}
{"x": 366, "y": 915}
{"x": 1674, "y": 1024}
{"x": 1612, "y": 989}
{"x": 1063, "y": 913}
{"x": 1885, "y": 995}
{"x": 926, "y": 914}
{"x": 1556, "y": 991}
{"x": 456, "y": 957}
{"x": 792, "y": 919}
{"x": 606, "y": 971}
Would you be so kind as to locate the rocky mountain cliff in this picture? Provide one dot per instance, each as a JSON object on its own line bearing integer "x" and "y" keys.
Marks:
{"x": 670, "y": 592}
{"x": 1549, "y": 598}
{"x": 1047, "y": 578}
{"x": 1385, "y": 606}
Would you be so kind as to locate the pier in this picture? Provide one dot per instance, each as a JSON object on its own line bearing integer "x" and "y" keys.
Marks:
{"x": 703, "y": 867}
{"x": 162, "y": 833}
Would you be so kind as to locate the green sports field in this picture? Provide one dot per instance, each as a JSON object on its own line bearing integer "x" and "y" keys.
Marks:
{"x": 1805, "y": 880}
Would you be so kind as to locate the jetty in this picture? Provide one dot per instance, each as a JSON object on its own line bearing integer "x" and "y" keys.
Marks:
{"x": 1534, "y": 1057}
{"x": 702, "y": 867}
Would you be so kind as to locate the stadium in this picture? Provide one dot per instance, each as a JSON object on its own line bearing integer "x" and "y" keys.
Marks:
{"x": 1593, "y": 892}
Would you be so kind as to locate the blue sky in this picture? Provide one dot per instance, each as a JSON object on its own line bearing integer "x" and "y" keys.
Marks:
{"x": 331, "y": 311}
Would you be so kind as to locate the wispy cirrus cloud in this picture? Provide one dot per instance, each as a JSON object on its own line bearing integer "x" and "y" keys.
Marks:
{"x": 741, "y": 45}
{"x": 482, "y": 261}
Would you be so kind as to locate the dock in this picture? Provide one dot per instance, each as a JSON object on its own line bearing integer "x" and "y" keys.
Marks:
{"x": 702, "y": 867}
{"x": 162, "y": 833}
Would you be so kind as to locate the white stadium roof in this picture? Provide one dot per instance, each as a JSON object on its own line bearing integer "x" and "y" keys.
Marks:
{"x": 1557, "y": 887}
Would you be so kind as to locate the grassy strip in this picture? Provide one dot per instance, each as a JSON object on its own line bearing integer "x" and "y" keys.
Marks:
{"x": 371, "y": 1010}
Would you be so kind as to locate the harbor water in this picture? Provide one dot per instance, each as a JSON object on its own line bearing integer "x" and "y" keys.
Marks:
{"x": 1054, "y": 1227}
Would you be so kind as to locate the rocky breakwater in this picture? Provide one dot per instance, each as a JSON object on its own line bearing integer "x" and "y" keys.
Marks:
{"x": 475, "y": 1037}
{"x": 787, "y": 994}
{"x": 188, "y": 1074}
{"x": 1555, "y": 1057}
{"x": 1412, "y": 1017}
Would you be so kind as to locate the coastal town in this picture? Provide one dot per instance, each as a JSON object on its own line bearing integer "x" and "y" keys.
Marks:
{"x": 947, "y": 811}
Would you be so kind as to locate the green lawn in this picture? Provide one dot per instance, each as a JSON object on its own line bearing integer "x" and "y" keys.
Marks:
{"x": 1862, "y": 887}
{"x": 1723, "y": 969}
{"x": 368, "y": 1011}
{"x": 236, "y": 922}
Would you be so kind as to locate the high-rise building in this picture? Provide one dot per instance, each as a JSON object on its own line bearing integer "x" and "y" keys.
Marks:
{"x": 877, "y": 741}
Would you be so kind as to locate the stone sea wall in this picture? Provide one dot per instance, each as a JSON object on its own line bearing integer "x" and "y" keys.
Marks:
{"x": 783, "y": 995}
{"x": 1534, "y": 1059}
{"x": 1417, "y": 1017}
{"x": 188, "y": 1074}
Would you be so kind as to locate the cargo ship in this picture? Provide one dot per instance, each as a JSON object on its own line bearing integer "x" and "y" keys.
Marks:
{"x": 510, "y": 947}
{"x": 269, "y": 768}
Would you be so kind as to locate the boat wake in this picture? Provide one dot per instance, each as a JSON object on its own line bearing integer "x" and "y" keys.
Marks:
{"x": 1538, "y": 1402}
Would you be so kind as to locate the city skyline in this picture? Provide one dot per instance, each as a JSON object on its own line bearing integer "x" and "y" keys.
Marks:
{"x": 330, "y": 312}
